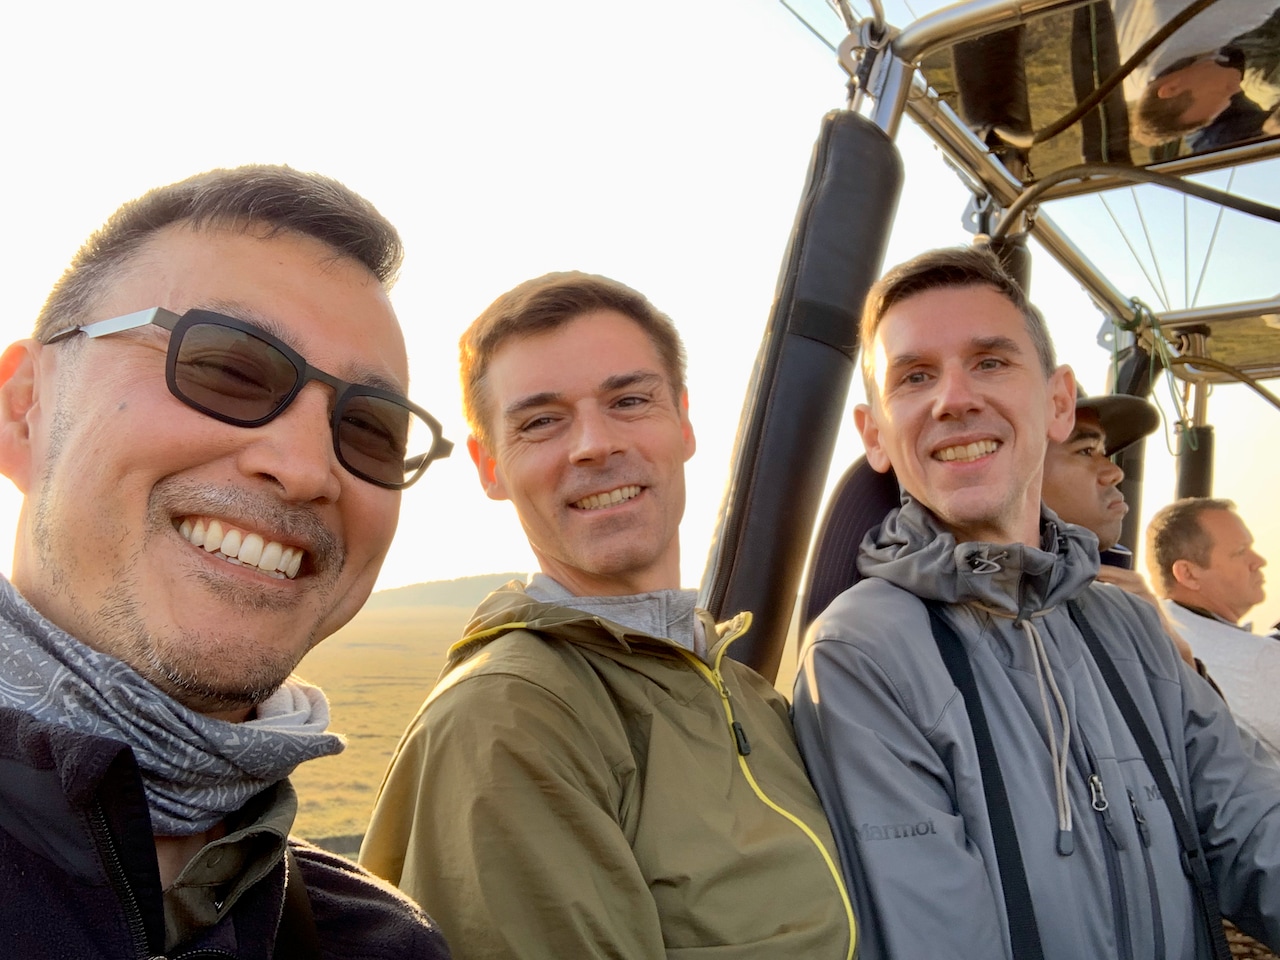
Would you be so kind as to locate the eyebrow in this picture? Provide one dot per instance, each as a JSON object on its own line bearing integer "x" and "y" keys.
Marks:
{"x": 1000, "y": 343}
{"x": 992, "y": 344}
{"x": 362, "y": 375}
{"x": 618, "y": 381}
{"x": 1089, "y": 432}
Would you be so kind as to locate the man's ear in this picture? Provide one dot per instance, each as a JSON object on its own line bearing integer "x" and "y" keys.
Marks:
{"x": 1171, "y": 85}
{"x": 18, "y": 379}
{"x": 487, "y": 468}
{"x": 1062, "y": 404}
{"x": 1184, "y": 571}
{"x": 686, "y": 428}
{"x": 864, "y": 419}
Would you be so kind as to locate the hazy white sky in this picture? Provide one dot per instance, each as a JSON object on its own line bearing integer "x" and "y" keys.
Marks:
{"x": 664, "y": 143}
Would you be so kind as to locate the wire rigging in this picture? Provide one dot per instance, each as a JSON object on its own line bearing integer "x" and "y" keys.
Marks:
{"x": 1186, "y": 250}
{"x": 1213, "y": 239}
{"x": 1151, "y": 248}
{"x": 1128, "y": 243}
{"x": 808, "y": 26}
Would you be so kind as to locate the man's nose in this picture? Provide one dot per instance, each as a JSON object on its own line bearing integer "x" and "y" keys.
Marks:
{"x": 1109, "y": 472}
{"x": 954, "y": 393}
{"x": 295, "y": 450}
{"x": 594, "y": 437}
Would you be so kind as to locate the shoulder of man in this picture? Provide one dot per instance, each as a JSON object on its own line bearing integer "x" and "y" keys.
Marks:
{"x": 874, "y": 616}
{"x": 1128, "y": 625}
{"x": 358, "y": 915}
{"x": 524, "y": 656}
{"x": 878, "y": 636}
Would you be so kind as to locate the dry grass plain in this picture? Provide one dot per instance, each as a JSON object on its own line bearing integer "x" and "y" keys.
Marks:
{"x": 376, "y": 672}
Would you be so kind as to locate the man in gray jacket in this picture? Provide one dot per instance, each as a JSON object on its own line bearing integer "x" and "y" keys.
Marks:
{"x": 964, "y": 396}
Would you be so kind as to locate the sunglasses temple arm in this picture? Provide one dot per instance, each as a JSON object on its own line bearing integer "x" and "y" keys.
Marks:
{"x": 439, "y": 451}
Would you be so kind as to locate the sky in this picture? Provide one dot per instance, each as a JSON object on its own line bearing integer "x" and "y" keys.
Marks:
{"x": 664, "y": 143}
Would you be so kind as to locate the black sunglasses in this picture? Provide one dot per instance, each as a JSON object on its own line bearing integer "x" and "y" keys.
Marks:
{"x": 240, "y": 374}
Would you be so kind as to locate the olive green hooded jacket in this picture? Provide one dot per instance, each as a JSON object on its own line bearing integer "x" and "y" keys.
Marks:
{"x": 575, "y": 789}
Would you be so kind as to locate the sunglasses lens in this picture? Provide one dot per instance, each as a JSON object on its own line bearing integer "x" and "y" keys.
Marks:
{"x": 231, "y": 374}
{"x": 379, "y": 439}
{"x": 239, "y": 378}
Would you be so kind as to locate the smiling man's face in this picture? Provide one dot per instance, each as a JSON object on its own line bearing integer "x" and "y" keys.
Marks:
{"x": 589, "y": 444}
{"x": 119, "y": 474}
{"x": 962, "y": 410}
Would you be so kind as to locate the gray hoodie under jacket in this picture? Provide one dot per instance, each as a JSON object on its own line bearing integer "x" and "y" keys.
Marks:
{"x": 886, "y": 739}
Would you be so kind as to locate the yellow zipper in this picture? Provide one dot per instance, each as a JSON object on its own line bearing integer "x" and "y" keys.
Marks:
{"x": 741, "y": 744}
{"x": 714, "y": 677}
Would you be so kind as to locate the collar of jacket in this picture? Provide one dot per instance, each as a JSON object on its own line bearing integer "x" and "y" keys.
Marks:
{"x": 1210, "y": 615}
{"x": 511, "y": 608}
{"x": 912, "y": 550}
{"x": 51, "y": 781}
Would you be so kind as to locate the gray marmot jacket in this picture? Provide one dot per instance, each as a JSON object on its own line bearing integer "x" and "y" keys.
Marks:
{"x": 887, "y": 741}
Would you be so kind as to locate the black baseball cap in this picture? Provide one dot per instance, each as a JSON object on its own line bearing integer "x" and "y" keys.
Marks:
{"x": 1124, "y": 419}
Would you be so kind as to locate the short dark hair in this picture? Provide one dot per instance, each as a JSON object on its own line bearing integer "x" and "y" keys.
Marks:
{"x": 276, "y": 198}
{"x": 949, "y": 267}
{"x": 1175, "y": 534}
{"x": 1156, "y": 120}
{"x": 543, "y": 304}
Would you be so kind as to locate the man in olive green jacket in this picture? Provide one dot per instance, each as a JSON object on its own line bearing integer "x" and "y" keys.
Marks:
{"x": 591, "y": 776}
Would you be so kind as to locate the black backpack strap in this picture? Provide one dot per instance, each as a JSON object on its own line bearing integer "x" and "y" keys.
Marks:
{"x": 296, "y": 938}
{"x": 1024, "y": 934}
{"x": 1193, "y": 859}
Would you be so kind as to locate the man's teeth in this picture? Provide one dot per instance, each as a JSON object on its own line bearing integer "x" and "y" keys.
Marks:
{"x": 598, "y": 500}
{"x": 968, "y": 451}
{"x": 248, "y": 549}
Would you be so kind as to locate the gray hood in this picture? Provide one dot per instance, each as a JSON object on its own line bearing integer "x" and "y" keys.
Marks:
{"x": 913, "y": 551}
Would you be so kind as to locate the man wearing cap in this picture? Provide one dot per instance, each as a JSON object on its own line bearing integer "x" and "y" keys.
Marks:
{"x": 1081, "y": 483}
{"x": 1082, "y": 486}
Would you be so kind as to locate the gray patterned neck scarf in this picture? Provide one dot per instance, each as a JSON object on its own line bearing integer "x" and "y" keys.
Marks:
{"x": 195, "y": 769}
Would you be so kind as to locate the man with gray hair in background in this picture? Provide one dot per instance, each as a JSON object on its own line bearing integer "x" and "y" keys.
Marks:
{"x": 202, "y": 505}
{"x": 1203, "y": 564}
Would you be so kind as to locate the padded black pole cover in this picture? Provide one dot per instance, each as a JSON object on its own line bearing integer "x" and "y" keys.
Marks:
{"x": 800, "y": 383}
{"x": 1195, "y": 462}
{"x": 1134, "y": 377}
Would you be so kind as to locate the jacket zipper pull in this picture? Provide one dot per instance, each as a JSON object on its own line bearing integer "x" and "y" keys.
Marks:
{"x": 739, "y": 734}
{"x": 1143, "y": 830}
{"x": 1099, "y": 802}
{"x": 1097, "y": 795}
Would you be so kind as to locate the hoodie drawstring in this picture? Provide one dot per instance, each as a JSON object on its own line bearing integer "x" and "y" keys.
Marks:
{"x": 1059, "y": 754}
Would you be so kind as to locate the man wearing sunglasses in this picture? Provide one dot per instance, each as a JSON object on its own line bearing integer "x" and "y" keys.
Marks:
{"x": 210, "y": 430}
{"x": 592, "y": 777}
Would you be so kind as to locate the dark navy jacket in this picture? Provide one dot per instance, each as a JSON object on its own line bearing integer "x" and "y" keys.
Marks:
{"x": 79, "y": 878}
